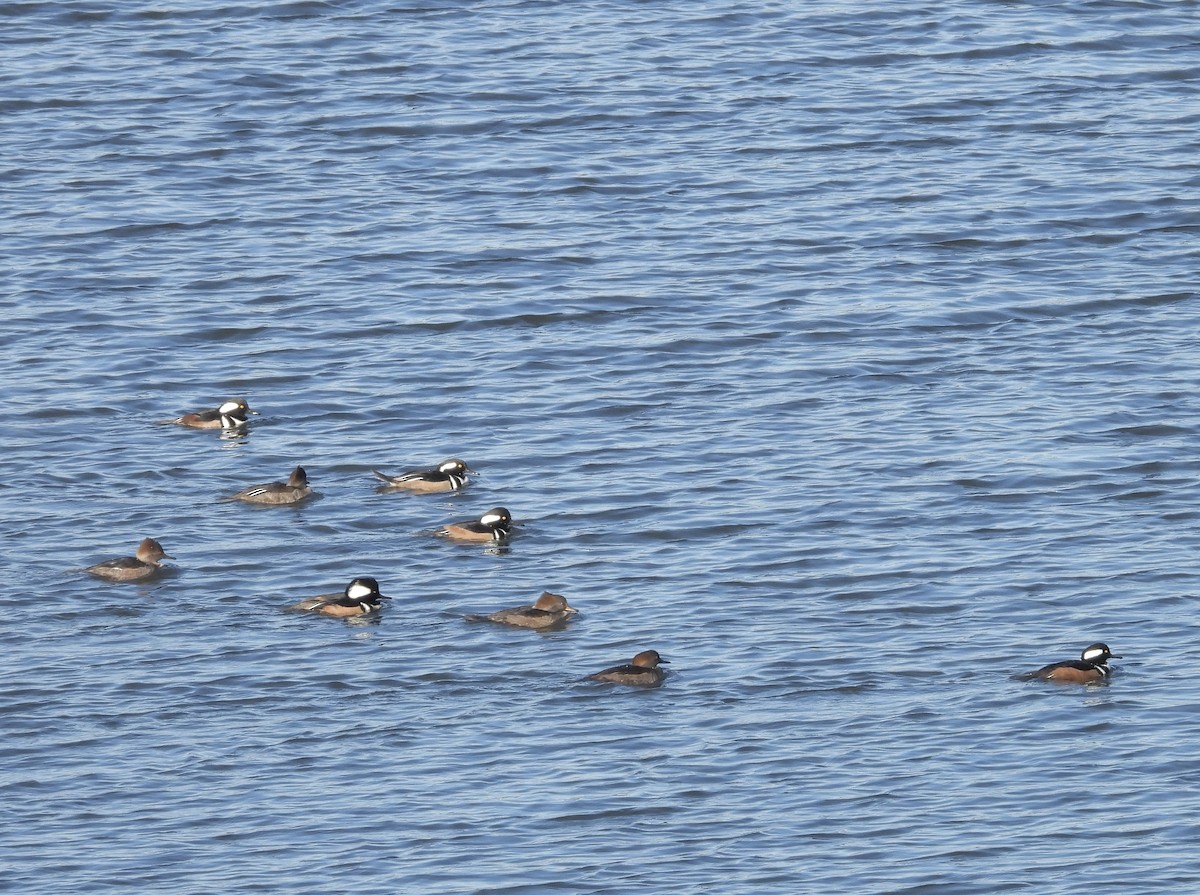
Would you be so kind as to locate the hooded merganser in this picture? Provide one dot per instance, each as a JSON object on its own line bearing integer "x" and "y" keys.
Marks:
{"x": 146, "y": 563}
{"x": 549, "y": 611}
{"x": 494, "y": 525}
{"x": 361, "y": 597}
{"x": 294, "y": 490}
{"x": 642, "y": 671}
{"x": 1091, "y": 667}
{"x": 230, "y": 415}
{"x": 450, "y": 475}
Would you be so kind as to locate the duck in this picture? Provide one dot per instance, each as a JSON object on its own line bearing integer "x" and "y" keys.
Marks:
{"x": 1091, "y": 668}
{"x": 642, "y": 671}
{"x": 294, "y": 490}
{"x": 494, "y": 525}
{"x": 145, "y": 563}
{"x": 548, "y": 612}
{"x": 449, "y": 475}
{"x": 230, "y": 415}
{"x": 361, "y": 597}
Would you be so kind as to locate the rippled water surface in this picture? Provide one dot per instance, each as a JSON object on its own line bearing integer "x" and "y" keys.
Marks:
{"x": 844, "y": 353}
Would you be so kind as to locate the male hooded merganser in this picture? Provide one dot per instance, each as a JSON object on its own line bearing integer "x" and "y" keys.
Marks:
{"x": 494, "y": 525}
{"x": 230, "y": 415}
{"x": 642, "y": 671}
{"x": 1091, "y": 667}
{"x": 450, "y": 475}
{"x": 294, "y": 490}
{"x": 361, "y": 597}
{"x": 145, "y": 564}
{"x": 549, "y": 611}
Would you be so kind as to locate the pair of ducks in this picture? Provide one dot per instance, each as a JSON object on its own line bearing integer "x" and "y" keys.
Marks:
{"x": 234, "y": 415}
{"x": 361, "y": 597}
{"x": 450, "y": 475}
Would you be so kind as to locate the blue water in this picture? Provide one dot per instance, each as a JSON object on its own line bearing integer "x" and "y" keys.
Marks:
{"x": 844, "y": 353}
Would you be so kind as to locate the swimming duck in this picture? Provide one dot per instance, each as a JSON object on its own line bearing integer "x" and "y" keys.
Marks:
{"x": 494, "y": 525}
{"x": 1091, "y": 667}
{"x": 230, "y": 415}
{"x": 450, "y": 475}
{"x": 361, "y": 597}
{"x": 294, "y": 490}
{"x": 146, "y": 563}
{"x": 642, "y": 671}
{"x": 549, "y": 611}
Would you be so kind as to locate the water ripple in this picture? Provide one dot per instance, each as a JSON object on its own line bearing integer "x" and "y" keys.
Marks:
{"x": 845, "y": 359}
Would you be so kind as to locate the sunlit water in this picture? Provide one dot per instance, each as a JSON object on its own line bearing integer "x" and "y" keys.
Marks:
{"x": 845, "y": 354}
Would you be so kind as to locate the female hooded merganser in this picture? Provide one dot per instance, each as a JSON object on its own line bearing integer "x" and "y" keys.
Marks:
{"x": 361, "y": 597}
{"x": 642, "y": 671}
{"x": 549, "y": 611}
{"x": 146, "y": 563}
{"x": 1091, "y": 667}
{"x": 294, "y": 490}
{"x": 450, "y": 475}
{"x": 494, "y": 525}
{"x": 230, "y": 415}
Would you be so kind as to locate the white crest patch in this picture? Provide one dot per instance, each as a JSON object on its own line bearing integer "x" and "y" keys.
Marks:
{"x": 1093, "y": 655}
{"x": 491, "y": 519}
{"x": 227, "y": 407}
{"x": 358, "y": 592}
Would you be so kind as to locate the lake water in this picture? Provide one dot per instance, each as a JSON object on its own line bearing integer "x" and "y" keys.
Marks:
{"x": 844, "y": 353}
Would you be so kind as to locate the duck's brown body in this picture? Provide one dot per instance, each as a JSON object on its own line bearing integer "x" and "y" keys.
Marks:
{"x": 294, "y": 490}
{"x": 230, "y": 415}
{"x": 361, "y": 597}
{"x": 494, "y": 525}
{"x": 145, "y": 564}
{"x": 642, "y": 671}
{"x": 1091, "y": 667}
{"x": 548, "y": 612}
{"x": 451, "y": 475}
